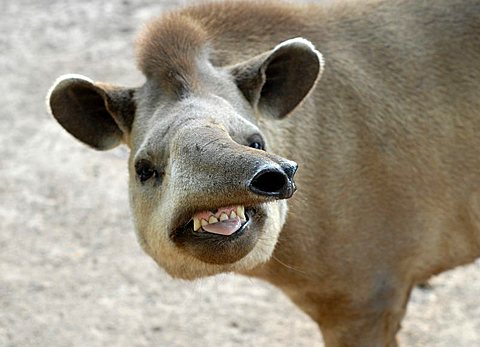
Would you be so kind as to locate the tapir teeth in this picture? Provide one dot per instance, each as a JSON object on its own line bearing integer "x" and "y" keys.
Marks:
{"x": 204, "y": 218}
{"x": 223, "y": 217}
{"x": 241, "y": 212}
{"x": 196, "y": 224}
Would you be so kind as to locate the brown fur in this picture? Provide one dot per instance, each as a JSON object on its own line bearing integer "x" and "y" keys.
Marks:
{"x": 387, "y": 146}
{"x": 167, "y": 52}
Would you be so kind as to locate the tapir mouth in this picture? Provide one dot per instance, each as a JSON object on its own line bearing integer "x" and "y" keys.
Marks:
{"x": 221, "y": 235}
{"x": 224, "y": 221}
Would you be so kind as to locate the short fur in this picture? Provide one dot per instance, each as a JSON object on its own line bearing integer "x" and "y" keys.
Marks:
{"x": 387, "y": 145}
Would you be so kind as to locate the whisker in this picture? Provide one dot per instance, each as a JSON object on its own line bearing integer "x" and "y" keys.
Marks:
{"x": 288, "y": 266}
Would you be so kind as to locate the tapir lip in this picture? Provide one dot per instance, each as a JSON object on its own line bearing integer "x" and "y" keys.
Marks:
{"x": 221, "y": 249}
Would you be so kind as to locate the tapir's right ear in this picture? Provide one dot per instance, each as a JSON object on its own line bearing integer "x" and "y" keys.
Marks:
{"x": 99, "y": 115}
{"x": 276, "y": 82}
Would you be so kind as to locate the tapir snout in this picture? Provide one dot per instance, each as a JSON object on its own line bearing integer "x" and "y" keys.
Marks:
{"x": 228, "y": 172}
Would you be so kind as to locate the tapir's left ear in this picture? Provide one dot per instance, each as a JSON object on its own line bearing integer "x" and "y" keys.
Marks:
{"x": 98, "y": 114}
{"x": 276, "y": 82}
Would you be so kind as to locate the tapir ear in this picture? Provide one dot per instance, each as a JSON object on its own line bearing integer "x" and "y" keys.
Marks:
{"x": 276, "y": 82}
{"x": 98, "y": 114}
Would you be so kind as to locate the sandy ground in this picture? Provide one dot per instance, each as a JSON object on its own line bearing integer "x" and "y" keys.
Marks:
{"x": 71, "y": 272}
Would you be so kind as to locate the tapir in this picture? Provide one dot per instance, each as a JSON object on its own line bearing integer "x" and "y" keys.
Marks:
{"x": 375, "y": 102}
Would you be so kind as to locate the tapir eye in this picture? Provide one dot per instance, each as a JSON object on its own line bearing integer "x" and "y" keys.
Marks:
{"x": 145, "y": 170}
{"x": 256, "y": 141}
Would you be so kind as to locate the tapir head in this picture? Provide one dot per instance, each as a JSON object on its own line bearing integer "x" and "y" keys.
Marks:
{"x": 206, "y": 191}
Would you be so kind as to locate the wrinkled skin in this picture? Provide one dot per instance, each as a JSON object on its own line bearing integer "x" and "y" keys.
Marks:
{"x": 386, "y": 142}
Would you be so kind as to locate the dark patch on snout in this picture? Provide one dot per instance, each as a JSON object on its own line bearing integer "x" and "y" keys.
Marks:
{"x": 219, "y": 249}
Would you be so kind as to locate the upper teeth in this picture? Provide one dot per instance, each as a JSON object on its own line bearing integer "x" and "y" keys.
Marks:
{"x": 223, "y": 217}
{"x": 220, "y": 216}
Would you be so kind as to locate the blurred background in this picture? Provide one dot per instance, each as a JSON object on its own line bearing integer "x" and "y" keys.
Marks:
{"x": 71, "y": 272}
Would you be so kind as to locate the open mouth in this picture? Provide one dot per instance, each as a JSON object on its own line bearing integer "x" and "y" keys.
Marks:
{"x": 224, "y": 221}
{"x": 220, "y": 235}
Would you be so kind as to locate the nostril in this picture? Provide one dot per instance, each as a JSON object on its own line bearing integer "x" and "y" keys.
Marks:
{"x": 290, "y": 168}
{"x": 270, "y": 182}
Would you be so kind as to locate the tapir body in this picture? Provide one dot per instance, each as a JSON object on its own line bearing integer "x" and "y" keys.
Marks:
{"x": 379, "y": 104}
